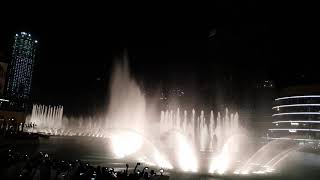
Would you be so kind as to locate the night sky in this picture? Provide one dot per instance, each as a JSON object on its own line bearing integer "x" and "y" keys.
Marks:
{"x": 77, "y": 49}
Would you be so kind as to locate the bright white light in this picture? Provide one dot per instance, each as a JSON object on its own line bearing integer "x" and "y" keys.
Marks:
{"x": 259, "y": 172}
{"x": 36, "y": 41}
{"x": 186, "y": 155}
{"x": 245, "y": 172}
{"x": 294, "y": 123}
{"x": 236, "y": 172}
{"x": 145, "y": 160}
{"x": 294, "y": 130}
{"x": 125, "y": 143}
{"x": 220, "y": 164}
{"x": 294, "y": 105}
{"x": 269, "y": 170}
{"x": 276, "y": 122}
{"x": 280, "y": 114}
{"x": 293, "y": 97}
{"x": 23, "y": 33}
{"x": 161, "y": 161}
{"x": 293, "y": 139}
{"x": 5, "y": 100}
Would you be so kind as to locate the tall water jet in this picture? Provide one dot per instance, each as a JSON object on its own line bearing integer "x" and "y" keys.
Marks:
{"x": 204, "y": 135}
{"x": 126, "y": 110}
{"x": 126, "y": 126}
{"x": 127, "y": 105}
{"x": 185, "y": 153}
{"x": 48, "y": 119}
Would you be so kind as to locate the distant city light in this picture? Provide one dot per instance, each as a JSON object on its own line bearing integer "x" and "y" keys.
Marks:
{"x": 291, "y": 113}
{"x": 5, "y": 100}
{"x": 294, "y": 130}
{"x": 276, "y": 122}
{"x": 294, "y": 97}
{"x": 294, "y": 105}
{"x": 36, "y": 41}
{"x": 299, "y": 139}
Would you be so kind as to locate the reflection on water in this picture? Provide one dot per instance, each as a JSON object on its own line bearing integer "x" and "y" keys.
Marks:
{"x": 96, "y": 151}
{"x": 88, "y": 149}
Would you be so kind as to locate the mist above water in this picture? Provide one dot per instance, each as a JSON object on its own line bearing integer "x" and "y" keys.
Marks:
{"x": 180, "y": 139}
{"x": 127, "y": 105}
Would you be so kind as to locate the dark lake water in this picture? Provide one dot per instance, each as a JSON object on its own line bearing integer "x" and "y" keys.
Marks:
{"x": 300, "y": 165}
{"x": 89, "y": 149}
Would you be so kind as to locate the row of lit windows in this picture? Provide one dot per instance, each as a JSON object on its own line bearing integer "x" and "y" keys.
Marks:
{"x": 298, "y": 125}
{"x": 297, "y": 101}
{"x": 298, "y": 109}
{"x": 23, "y": 56}
{"x": 23, "y": 50}
{"x": 292, "y": 117}
{"x": 23, "y": 41}
{"x": 24, "y": 36}
{"x": 20, "y": 77}
{"x": 298, "y": 134}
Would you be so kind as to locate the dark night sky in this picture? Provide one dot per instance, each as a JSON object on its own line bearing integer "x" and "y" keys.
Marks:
{"x": 78, "y": 46}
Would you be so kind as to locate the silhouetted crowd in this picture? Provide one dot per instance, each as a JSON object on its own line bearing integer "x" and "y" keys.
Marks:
{"x": 12, "y": 126}
{"x": 42, "y": 167}
{"x": 13, "y": 129}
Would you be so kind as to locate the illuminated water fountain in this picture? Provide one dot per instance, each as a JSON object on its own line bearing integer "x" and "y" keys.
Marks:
{"x": 124, "y": 125}
{"x": 47, "y": 118}
{"x": 269, "y": 157}
{"x": 210, "y": 134}
{"x": 179, "y": 140}
{"x": 199, "y": 134}
{"x": 128, "y": 128}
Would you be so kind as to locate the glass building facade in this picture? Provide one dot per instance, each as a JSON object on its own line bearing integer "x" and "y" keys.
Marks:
{"x": 21, "y": 66}
{"x": 297, "y": 117}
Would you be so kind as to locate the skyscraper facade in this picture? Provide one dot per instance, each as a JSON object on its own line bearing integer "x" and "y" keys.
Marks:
{"x": 21, "y": 66}
{"x": 297, "y": 113}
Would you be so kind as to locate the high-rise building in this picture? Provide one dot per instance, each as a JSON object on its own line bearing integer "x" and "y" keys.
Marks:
{"x": 21, "y": 66}
{"x": 297, "y": 113}
{"x": 3, "y": 74}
